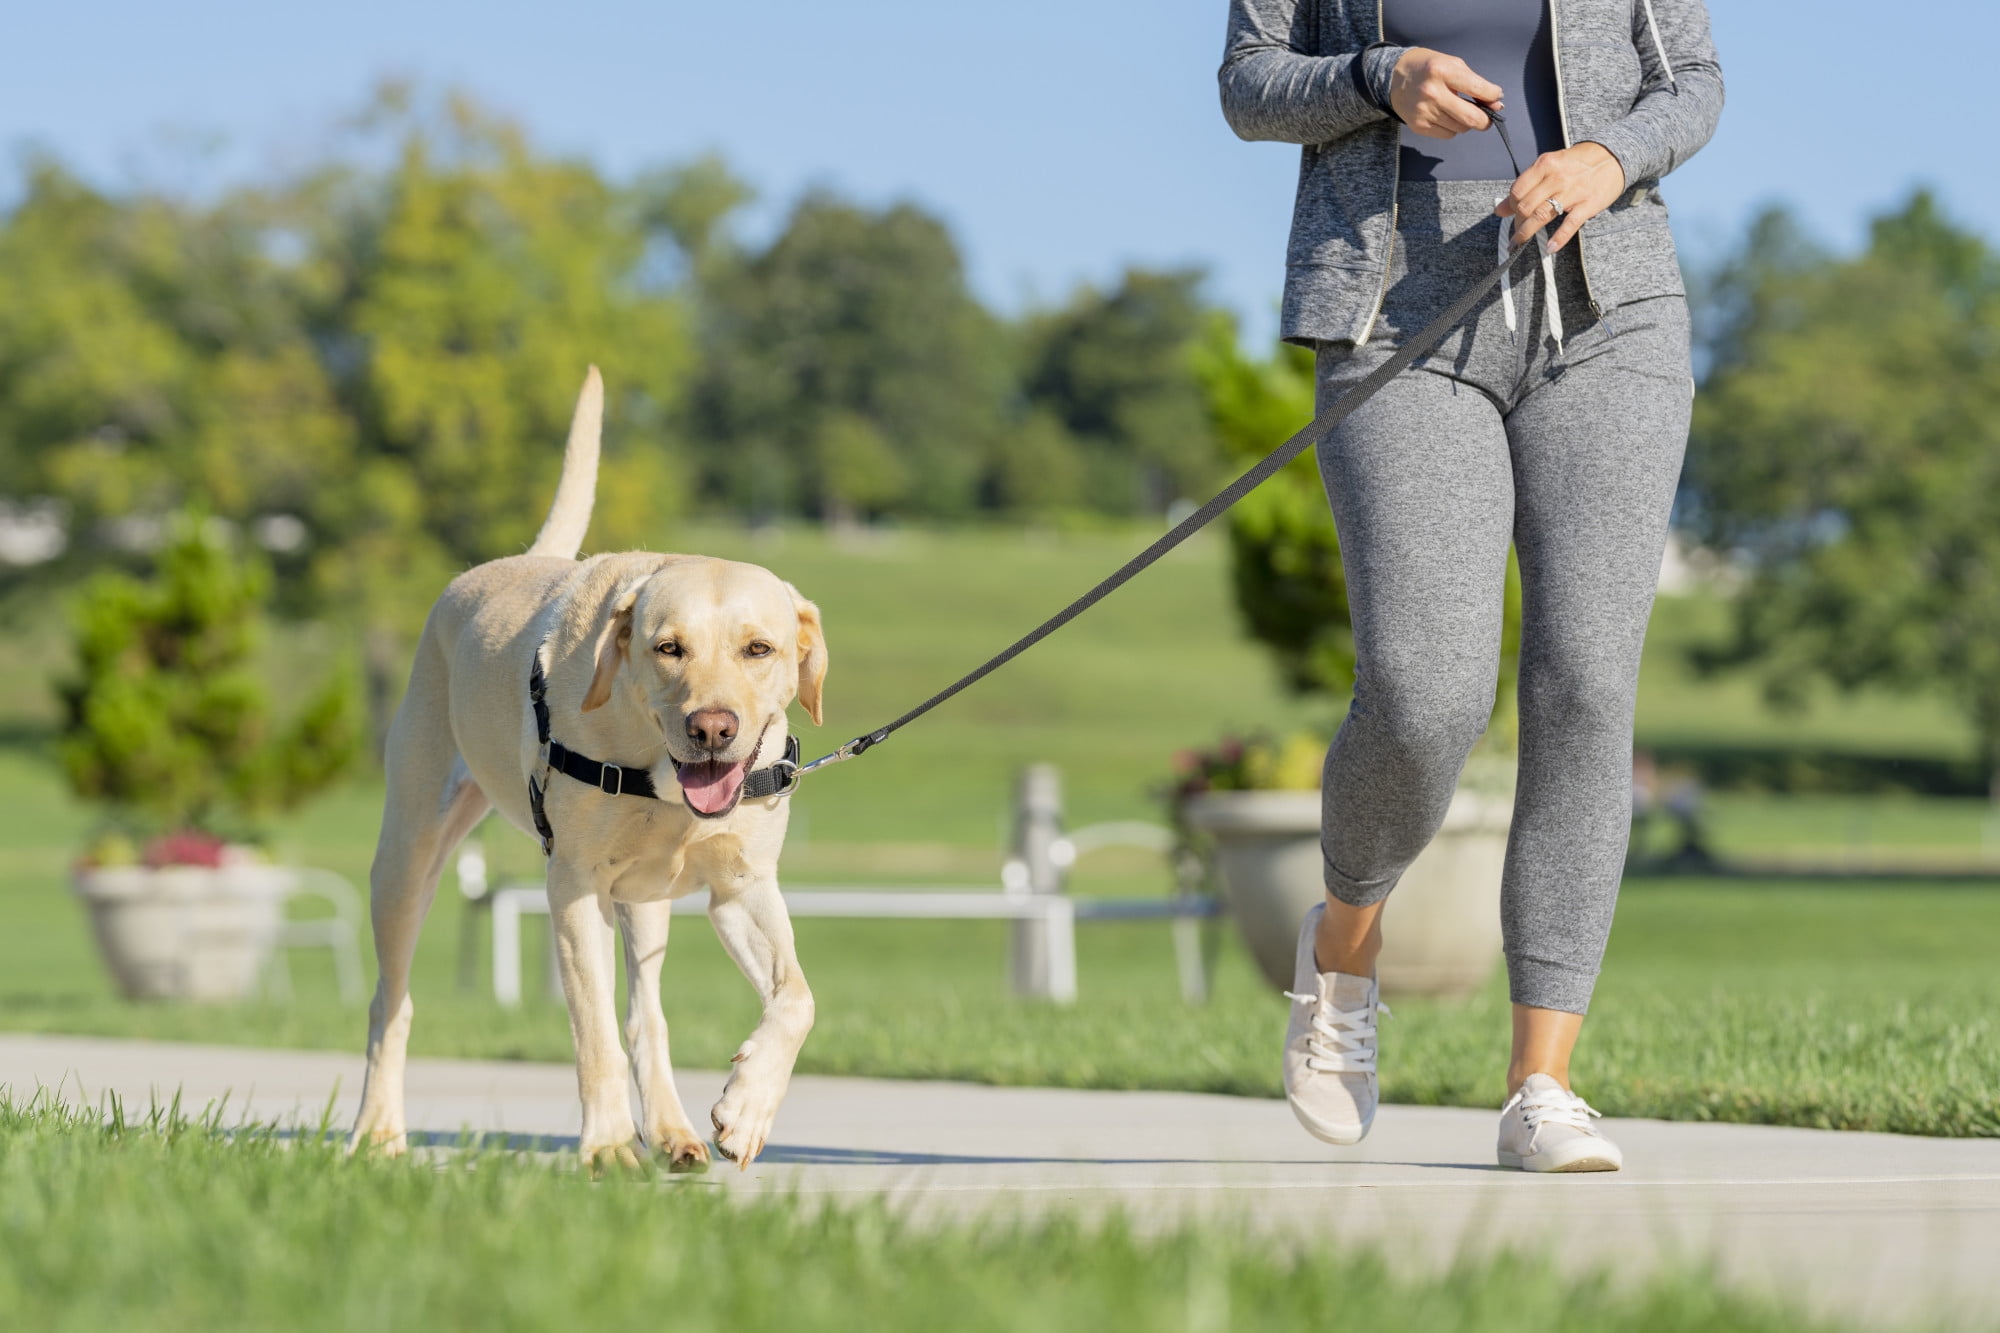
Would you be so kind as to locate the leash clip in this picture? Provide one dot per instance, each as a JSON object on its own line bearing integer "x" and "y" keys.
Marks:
{"x": 850, "y": 750}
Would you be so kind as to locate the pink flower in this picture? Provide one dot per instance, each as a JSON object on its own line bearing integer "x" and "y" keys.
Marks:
{"x": 189, "y": 847}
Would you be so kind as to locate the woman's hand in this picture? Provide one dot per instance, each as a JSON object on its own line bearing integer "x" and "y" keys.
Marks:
{"x": 1428, "y": 90}
{"x": 1575, "y": 184}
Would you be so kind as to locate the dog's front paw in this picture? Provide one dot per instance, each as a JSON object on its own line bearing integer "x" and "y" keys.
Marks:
{"x": 743, "y": 1118}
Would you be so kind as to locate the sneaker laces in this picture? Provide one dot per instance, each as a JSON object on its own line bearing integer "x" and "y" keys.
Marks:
{"x": 1556, "y": 1107}
{"x": 1342, "y": 1041}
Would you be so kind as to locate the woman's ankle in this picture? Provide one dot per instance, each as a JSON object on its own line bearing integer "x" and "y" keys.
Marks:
{"x": 1349, "y": 939}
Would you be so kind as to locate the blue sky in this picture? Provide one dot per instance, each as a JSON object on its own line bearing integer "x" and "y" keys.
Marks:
{"x": 1062, "y": 139}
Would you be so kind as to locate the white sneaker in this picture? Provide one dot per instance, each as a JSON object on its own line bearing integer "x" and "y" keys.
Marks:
{"x": 1546, "y": 1127}
{"x": 1330, "y": 1046}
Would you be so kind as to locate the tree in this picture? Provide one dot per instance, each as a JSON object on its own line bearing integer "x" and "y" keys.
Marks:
{"x": 150, "y": 354}
{"x": 1037, "y": 469}
{"x": 1115, "y": 370}
{"x": 851, "y": 317}
{"x": 1847, "y": 443}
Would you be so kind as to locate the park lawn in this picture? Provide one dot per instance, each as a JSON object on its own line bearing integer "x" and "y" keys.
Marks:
{"x": 1835, "y": 1005}
{"x": 179, "y": 1226}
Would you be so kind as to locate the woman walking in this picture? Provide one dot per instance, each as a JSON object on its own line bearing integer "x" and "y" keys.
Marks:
{"x": 1553, "y": 418}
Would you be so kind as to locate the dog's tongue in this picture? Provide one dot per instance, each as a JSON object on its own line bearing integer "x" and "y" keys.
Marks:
{"x": 711, "y": 785}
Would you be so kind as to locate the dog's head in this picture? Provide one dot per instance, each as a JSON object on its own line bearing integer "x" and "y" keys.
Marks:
{"x": 714, "y": 650}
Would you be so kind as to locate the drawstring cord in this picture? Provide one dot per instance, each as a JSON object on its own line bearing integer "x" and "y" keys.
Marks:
{"x": 1550, "y": 301}
{"x": 1653, "y": 27}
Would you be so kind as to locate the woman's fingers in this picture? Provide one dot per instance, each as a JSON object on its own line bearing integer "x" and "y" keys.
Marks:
{"x": 1561, "y": 191}
{"x": 1527, "y": 201}
{"x": 1572, "y": 220}
{"x": 1428, "y": 91}
{"x": 1464, "y": 115}
{"x": 1463, "y": 79}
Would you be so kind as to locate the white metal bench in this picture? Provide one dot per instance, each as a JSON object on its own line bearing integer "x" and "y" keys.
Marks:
{"x": 1057, "y": 914}
{"x": 1033, "y": 894}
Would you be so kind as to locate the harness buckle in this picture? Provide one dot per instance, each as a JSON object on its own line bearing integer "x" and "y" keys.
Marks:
{"x": 611, "y": 781}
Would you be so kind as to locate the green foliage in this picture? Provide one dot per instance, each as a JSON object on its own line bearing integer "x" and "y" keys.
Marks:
{"x": 849, "y": 371}
{"x": 1847, "y": 440}
{"x": 1038, "y": 470}
{"x": 150, "y": 353}
{"x": 1113, "y": 369}
{"x": 495, "y": 277}
{"x": 164, "y": 716}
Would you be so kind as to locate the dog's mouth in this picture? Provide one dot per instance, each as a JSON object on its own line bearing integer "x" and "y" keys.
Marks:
{"x": 712, "y": 787}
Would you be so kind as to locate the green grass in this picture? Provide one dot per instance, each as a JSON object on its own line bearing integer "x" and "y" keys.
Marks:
{"x": 179, "y": 1226}
{"x": 1679, "y": 707}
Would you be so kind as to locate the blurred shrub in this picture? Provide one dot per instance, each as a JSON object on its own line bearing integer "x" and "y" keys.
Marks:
{"x": 164, "y": 720}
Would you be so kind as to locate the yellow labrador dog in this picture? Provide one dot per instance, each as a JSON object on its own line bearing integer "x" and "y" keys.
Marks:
{"x": 669, "y": 674}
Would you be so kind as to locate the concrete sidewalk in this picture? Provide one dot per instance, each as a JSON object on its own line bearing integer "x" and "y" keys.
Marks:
{"x": 1873, "y": 1228}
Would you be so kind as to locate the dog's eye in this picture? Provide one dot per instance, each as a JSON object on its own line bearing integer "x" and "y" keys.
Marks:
{"x": 668, "y": 648}
{"x": 758, "y": 649}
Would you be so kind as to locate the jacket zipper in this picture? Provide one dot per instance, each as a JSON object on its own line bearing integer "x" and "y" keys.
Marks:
{"x": 1562, "y": 112}
{"x": 1395, "y": 189}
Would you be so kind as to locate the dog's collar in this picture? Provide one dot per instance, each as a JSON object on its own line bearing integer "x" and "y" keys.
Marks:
{"x": 778, "y": 779}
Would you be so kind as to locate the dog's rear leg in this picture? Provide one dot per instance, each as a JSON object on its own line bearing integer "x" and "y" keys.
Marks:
{"x": 754, "y": 927}
{"x": 664, "y": 1122}
{"x": 432, "y": 803}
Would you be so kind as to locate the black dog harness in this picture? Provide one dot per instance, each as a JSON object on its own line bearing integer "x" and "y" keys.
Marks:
{"x": 613, "y": 780}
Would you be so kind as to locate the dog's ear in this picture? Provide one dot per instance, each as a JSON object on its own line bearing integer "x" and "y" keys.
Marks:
{"x": 812, "y": 655}
{"x": 612, "y": 641}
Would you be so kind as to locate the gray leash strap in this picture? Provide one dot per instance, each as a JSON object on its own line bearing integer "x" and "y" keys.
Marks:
{"x": 1310, "y": 435}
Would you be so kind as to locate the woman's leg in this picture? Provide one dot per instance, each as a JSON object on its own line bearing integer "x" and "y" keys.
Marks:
{"x": 1421, "y": 484}
{"x": 1597, "y": 454}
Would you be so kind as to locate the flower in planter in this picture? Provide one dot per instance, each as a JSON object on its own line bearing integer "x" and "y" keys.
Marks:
{"x": 1254, "y": 763}
{"x": 189, "y": 847}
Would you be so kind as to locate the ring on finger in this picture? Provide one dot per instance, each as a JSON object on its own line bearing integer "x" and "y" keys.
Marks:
{"x": 1555, "y": 209}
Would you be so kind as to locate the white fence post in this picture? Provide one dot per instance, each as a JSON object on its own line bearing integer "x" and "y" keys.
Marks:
{"x": 1037, "y": 829}
{"x": 507, "y": 947}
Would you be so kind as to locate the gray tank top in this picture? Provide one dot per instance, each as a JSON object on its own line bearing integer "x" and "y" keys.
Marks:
{"x": 1506, "y": 41}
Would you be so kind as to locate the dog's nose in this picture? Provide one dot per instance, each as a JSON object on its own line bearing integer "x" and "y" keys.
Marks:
{"x": 711, "y": 728}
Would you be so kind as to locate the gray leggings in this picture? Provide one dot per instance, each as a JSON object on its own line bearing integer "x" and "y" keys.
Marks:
{"x": 1492, "y": 439}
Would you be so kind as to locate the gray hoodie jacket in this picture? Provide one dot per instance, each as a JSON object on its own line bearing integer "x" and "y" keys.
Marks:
{"x": 1637, "y": 76}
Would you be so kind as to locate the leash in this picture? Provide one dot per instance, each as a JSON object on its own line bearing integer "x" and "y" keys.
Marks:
{"x": 1308, "y": 436}
{"x": 1429, "y": 337}
{"x": 783, "y": 776}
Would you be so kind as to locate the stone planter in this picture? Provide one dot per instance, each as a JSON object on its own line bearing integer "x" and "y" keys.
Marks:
{"x": 1441, "y": 929}
{"x": 185, "y": 932}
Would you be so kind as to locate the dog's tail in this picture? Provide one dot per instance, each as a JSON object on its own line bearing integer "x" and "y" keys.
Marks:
{"x": 569, "y": 516}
